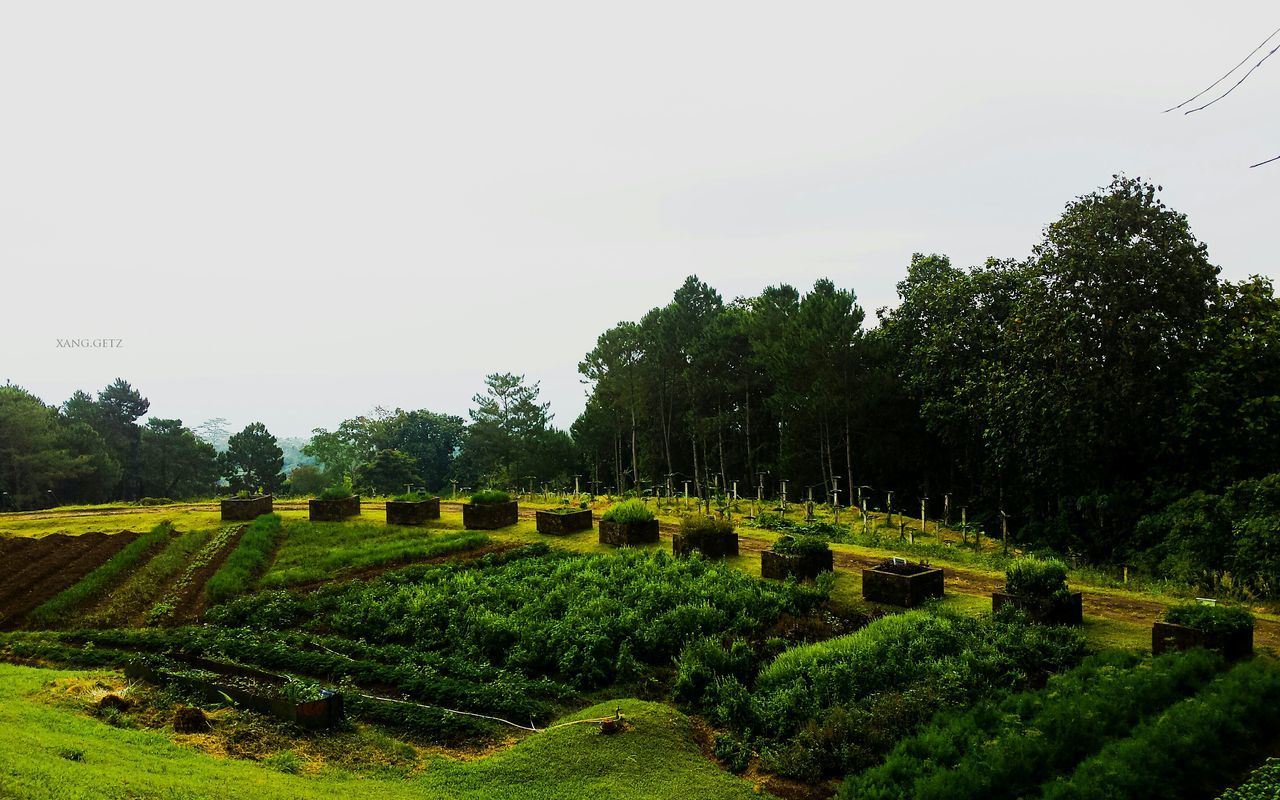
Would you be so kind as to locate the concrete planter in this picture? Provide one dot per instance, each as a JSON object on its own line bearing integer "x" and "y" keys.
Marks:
{"x": 334, "y": 510}
{"x": 560, "y": 524}
{"x": 418, "y": 512}
{"x": 1067, "y": 611}
{"x": 902, "y": 583}
{"x": 780, "y": 566}
{"x": 710, "y": 546}
{"x": 244, "y": 509}
{"x": 627, "y": 533}
{"x": 489, "y": 516}
{"x": 1167, "y": 637}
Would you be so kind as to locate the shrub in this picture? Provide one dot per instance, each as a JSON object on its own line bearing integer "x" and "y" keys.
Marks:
{"x": 1210, "y": 619}
{"x": 1263, "y": 784}
{"x": 1034, "y": 577}
{"x": 486, "y": 497}
{"x": 248, "y": 561}
{"x": 628, "y": 512}
{"x": 699, "y": 529}
{"x": 335, "y": 493}
{"x": 800, "y": 546}
{"x": 155, "y": 501}
{"x": 1198, "y": 744}
{"x": 93, "y": 585}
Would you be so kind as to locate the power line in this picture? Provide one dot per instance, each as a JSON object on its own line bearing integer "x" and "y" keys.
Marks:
{"x": 1211, "y": 86}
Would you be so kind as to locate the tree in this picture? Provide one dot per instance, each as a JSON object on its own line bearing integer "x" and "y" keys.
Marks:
{"x": 253, "y": 460}
{"x": 33, "y": 456}
{"x": 305, "y": 479}
{"x": 430, "y": 439}
{"x": 503, "y": 443}
{"x": 174, "y": 462}
{"x": 389, "y": 472}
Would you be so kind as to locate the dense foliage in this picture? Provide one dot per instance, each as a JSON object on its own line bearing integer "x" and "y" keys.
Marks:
{"x": 1198, "y": 744}
{"x": 828, "y": 708}
{"x": 1210, "y": 619}
{"x": 1263, "y": 784}
{"x": 699, "y": 529}
{"x": 487, "y": 497}
{"x": 800, "y": 546}
{"x": 1044, "y": 579}
{"x": 628, "y": 511}
{"x": 1005, "y": 749}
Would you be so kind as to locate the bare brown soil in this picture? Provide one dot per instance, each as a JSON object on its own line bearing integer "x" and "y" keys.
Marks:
{"x": 38, "y": 569}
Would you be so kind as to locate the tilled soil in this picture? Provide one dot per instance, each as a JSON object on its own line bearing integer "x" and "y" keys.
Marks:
{"x": 34, "y": 570}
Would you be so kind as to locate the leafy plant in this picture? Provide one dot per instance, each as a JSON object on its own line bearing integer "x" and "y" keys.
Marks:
{"x": 1210, "y": 619}
{"x": 628, "y": 512}
{"x": 807, "y": 546}
{"x": 336, "y": 493}
{"x": 697, "y": 529}
{"x": 1045, "y": 579}
{"x": 247, "y": 561}
{"x": 413, "y": 497}
{"x": 486, "y": 497}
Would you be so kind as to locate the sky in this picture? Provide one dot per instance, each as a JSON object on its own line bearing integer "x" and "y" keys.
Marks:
{"x": 293, "y": 212}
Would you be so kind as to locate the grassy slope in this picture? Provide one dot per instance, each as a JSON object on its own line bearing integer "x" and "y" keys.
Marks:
{"x": 658, "y": 759}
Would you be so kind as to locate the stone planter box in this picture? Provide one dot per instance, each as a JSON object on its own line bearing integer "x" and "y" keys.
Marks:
{"x": 902, "y": 584}
{"x": 245, "y": 509}
{"x": 487, "y": 517}
{"x": 1063, "y": 612}
{"x": 710, "y": 547}
{"x": 400, "y": 512}
{"x": 559, "y": 524}
{"x": 625, "y": 533}
{"x": 1167, "y": 637}
{"x": 327, "y": 712}
{"x": 334, "y": 510}
{"x": 779, "y": 566}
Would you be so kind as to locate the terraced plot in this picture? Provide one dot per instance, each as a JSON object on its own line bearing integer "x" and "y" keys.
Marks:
{"x": 34, "y": 570}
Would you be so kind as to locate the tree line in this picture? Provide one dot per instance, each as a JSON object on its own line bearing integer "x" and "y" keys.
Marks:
{"x": 1080, "y": 394}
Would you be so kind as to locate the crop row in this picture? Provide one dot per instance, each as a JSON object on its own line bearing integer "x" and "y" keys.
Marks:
{"x": 92, "y": 586}
{"x": 248, "y": 561}
{"x": 164, "y": 608}
{"x": 1007, "y": 749}
{"x": 130, "y": 600}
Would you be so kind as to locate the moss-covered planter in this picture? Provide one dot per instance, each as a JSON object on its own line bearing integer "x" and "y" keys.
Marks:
{"x": 626, "y": 533}
{"x": 244, "y": 509}
{"x": 721, "y": 546}
{"x": 902, "y": 583}
{"x": 560, "y": 524}
{"x": 488, "y": 516}
{"x": 400, "y": 512}
{"x": 780, "y": 566}
{"x": 334, "y": 510}
{"x": 326, "y": 712}
{"x": 1233, "y": 645}
{"x": 1068, "y": 610}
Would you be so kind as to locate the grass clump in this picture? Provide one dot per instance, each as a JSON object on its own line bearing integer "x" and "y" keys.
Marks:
{"x": 1045, "y": 579}
{"x": 1210, "y": 619}
{"x": 489, "y": 497}
{"x": 800, "y": 546}
{"x": 248, "y": 561}
{"x": 628, "y": 512}
{"x": 95, "y": 584}
{"x": 335, "y": 493}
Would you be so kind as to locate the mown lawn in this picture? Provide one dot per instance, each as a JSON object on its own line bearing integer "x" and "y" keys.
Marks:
{"x": 48, "y": 752}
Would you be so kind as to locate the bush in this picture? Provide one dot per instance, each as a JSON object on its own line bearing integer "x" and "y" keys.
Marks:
{"x": 800, "y": 546}
{"x": 335, "y": 493}
{"x": 156, "y": 501}
{"x": 1045, "y": 579}
{"x": 628, "y": 511}
{"x": 248, "y": 561}
{"x": 1210, "y": 619}
{"x": 699, "y": 529}
{"x": 1196, "y": 745}
{"x": 488, "y": 497}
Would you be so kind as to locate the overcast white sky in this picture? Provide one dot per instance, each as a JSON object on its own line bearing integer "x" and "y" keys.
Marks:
{"x": 293, "y": 212}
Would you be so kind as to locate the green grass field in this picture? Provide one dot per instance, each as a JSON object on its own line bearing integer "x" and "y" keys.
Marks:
{"x": 49, "y": 752}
